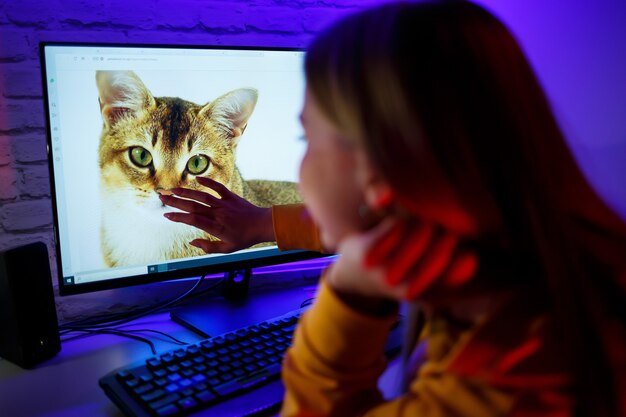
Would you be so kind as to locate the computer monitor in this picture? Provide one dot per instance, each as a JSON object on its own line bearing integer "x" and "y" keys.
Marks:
{"x": 127, "y": 120}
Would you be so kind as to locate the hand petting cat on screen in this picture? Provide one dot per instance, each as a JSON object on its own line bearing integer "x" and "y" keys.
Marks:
{"x": 238, "y": 223}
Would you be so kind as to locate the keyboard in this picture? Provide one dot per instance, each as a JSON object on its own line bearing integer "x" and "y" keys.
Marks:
{"x": 233, "y": 374}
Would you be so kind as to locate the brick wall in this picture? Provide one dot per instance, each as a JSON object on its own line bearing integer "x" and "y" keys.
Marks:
{"x": 25, "y": 201}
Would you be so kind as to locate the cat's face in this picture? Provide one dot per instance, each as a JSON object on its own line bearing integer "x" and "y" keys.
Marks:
{"x": 151, "y": 143}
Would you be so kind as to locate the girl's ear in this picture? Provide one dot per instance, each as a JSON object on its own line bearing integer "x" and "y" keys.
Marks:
{"x": 377, "y": 192}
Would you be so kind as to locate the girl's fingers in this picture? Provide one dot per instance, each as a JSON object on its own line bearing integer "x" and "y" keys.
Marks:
{"x": 415, "y": 245}
{"x": 201, "y": 196}
{"x": 189, "y": 206}
{"x": 211, "y": 246}
{"x": 431, "y": 265}
{"x": 391, "y": 235}
{"x": 461, "y": 269}
{"x": 198, "y": 221}
{"x": 216, "y": 186}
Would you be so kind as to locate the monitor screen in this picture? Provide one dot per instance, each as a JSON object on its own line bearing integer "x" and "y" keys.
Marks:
{"x": 127, "y": 120}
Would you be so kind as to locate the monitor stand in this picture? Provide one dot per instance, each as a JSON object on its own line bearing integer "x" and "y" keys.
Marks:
{"x": 271, "y": 293}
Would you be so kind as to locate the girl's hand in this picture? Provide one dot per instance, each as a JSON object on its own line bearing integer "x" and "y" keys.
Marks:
{"x": 399, "y": 260}
{"x": 238, "y": 223}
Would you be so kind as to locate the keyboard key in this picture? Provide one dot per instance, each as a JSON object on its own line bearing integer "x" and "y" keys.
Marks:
{"x": 168, "y": 399}
{"x": 168, "y": 410}
{"x": 184, "y": 382}
{"x": 174, "y": 377}
{"x": 187, "y": 403}
{"x": 161, "y": 382}
{"x": 200, "y": 387}
{"x": 187, "y": 392}
{"x": 198, "y": 378}
{"x": 131, "y": 383}
{"x": 142, "y": 389}
{"x": 167, "y": 358}
{"x": 205, "y": 396}
{"x": 227, "y": 376}
{"x": 289, "y": 329}
{"x": 154, "y": 363}
{"x": 152, "y": 395}
{"x": 125, "y": 375}
{"x": 248, "y": 382}
{"x": 207, "y": 344}
{"x": 213, "y": 381}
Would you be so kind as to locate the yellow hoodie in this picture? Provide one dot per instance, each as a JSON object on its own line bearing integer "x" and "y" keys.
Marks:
{"x": 504, "y": 363}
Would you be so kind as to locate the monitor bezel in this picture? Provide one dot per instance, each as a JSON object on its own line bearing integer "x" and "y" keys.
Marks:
{"x": 149, "y": 278}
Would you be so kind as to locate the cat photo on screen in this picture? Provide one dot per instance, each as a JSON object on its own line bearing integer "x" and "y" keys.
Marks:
{"x": 151, "y": 143}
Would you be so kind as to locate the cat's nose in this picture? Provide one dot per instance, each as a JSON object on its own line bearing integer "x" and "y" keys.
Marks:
{"x": 163, "y": 191}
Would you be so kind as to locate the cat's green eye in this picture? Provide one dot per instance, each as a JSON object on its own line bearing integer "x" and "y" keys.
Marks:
{"x": 140, "y": 156}
{"x": 198, "y": 164}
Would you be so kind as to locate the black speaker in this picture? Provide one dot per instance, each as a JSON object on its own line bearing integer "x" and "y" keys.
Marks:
{"x": 29, "y": 332}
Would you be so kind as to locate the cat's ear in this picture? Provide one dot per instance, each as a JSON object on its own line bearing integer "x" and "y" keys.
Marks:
{"x": 121, "y": 94}
{"x": 232, "y": 110}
